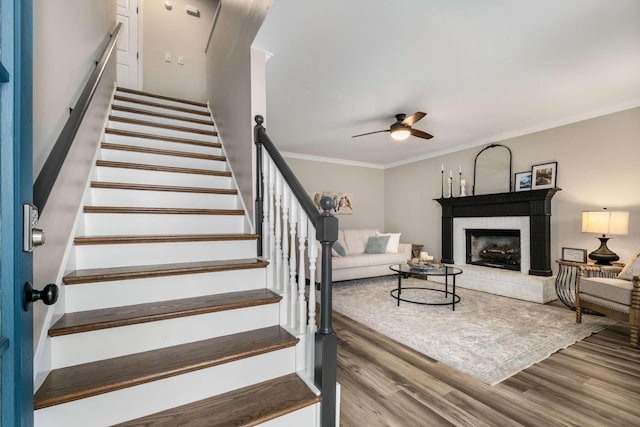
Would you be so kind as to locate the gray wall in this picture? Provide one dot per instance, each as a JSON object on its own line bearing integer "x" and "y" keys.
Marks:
{"x": 180, "y": 34}
{"x": 69, "y": 35}
{"x": 229, "y": 85}
{"x": 597, "y": 160}
{"x": 366, "y": 184}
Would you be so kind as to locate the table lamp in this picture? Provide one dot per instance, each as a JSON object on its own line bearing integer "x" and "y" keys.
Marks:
{"x": 605, "y": 222}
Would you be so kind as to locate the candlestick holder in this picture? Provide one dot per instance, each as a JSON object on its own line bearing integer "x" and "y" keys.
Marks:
{"x": 450, "y": 188}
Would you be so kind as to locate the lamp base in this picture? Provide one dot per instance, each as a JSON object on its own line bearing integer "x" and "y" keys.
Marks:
{"x": 603, "y": 255}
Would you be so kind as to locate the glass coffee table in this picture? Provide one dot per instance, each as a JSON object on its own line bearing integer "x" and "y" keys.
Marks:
{"x": 405, "y": 270}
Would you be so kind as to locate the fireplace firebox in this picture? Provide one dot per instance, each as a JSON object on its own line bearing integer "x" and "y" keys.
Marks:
{"x": 493, "y": 248}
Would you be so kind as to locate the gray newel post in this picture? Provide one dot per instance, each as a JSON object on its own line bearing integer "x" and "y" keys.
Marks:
{"x": 325, "y": 340}
{"x": 259, "y": 215}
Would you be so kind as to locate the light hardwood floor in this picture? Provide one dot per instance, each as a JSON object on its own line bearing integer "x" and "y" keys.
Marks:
{"x": 595, "y": 382}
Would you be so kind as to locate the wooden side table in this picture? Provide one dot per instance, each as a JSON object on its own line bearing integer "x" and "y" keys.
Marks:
{"x": 570, "y": 272}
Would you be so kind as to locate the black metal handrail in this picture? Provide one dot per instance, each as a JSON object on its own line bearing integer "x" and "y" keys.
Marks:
{"x": 47, "y": 176}
{"x": 326, "y": 225}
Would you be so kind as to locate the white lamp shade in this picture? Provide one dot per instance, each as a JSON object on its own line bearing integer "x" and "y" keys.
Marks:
{"x": 605, "y": 222}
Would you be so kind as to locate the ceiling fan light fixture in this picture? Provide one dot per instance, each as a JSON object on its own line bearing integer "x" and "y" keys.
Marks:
{"x": 400, "y": 134}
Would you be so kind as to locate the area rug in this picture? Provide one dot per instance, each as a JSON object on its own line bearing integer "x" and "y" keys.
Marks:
{"x": 488, "y": 337}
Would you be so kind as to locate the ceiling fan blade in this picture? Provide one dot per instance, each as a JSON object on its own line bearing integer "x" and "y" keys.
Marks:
{"x": 370, "y": 133}
{"x": 420, "y": 134}
{"x": 414, "y": 118}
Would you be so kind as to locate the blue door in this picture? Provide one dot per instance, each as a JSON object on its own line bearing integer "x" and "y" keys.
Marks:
{"x": 16, "y": 327}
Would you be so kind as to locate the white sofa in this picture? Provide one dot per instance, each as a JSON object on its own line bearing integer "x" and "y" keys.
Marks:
{"x": 357, "y": 264}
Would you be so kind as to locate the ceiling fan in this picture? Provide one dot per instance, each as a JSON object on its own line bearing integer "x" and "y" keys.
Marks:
{"x": 402, "y": 128}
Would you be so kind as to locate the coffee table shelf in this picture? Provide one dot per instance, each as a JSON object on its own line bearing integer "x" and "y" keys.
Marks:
{"x": 405, "y": 270}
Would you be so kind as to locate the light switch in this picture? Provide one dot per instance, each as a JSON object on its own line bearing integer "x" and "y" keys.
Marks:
{"x": 167, "y": 57}
{"x": 181, "y": 60}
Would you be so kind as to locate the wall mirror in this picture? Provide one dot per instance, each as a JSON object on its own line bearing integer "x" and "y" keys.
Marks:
{"x": 492, "y": 170}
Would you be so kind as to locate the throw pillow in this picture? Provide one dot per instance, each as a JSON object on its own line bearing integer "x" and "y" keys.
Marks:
{"x": 338, "y": 249}
{"x": 376, "y": 245}
{"x": 631, "y": 268}
{"x": 394, "y": 241}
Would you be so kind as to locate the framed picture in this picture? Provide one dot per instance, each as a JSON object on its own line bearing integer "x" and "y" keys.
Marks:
{"x": 523, "y": 181}
{"x": 575, "y": 255}
{"x": 544, "y": 175}
{"x": 342, "y": 202}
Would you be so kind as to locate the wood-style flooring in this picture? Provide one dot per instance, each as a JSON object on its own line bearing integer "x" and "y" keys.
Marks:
{"x": 595, "y": 382}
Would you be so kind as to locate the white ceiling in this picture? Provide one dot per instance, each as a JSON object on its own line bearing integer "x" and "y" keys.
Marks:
{"x": 482, "y": 70}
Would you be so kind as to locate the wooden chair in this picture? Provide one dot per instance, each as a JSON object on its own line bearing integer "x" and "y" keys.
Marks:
{"x": 613, "y": 297}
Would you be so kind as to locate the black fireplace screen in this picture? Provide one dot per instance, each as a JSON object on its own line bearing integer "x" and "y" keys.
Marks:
{"x": 493, "y": 248}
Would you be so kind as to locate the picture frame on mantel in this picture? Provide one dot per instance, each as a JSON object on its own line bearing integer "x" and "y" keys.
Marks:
{"x": 544, "y": 175}
{"x": 522, "y": 181}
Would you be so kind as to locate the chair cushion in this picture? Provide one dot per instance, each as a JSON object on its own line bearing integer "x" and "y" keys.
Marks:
{"x": 615, "y": 290}
{"x": 356, "y": 239}
{"x": 605, "y": 303}
{"x": 631, "y": 268}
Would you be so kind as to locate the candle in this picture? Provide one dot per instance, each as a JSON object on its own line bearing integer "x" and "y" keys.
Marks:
{"x": 461, "y": 169}
{"x": 442, "y": 168}
{"x": 450, "y": 173}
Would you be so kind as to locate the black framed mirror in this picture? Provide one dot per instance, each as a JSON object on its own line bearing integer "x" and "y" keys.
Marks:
{"x": 492, "y": 170}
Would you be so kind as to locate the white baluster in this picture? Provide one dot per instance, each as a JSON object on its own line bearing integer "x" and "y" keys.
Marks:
{"x": 286, "y": 295}
{"x": 272, "y": 244}
{"x": 313, "y": 254}
{"x": 265, "y": 205}
{"x": 293, "y": 219}
{"x": 277, "y": 277}
{"x": 302, "y": 237}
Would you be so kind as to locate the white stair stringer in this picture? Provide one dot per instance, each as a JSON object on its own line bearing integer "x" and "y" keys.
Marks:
{"x": 115, "y": 407}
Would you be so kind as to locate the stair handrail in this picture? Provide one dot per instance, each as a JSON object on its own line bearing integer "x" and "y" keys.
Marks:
{"x": 49, "y": 172}
{"x": 326, "y": 226}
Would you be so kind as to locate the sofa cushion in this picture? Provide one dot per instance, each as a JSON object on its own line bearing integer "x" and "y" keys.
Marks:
{"x": 377, "y": 245}
{"x": 338, "y": 249}
{"x": 351, "y": 261}
{"x": 616, "y": 290}
{"x": 356, "y": 239}
{"x": 394, "y": 241}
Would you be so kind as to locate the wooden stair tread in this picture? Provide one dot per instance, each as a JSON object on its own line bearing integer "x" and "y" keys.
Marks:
{"x": 160, "y": 211}
{"x": 132, "y": 134}
{"x": 248, "y": 406}
{"x": 155, "y": 95}
{"x": 162, "y": 125}
{"x": 93, "y": 320}
{"x": 118, "y": 240}
{"x": 144, "y": 271}
{"x": 160, "y": 105}
{"x": 148, "y": 150}
{"x": 161, "y": 168}
{"x": 151, "y": 187}
{"x": 162, "y": 115}
{"x": 90, "y": 379}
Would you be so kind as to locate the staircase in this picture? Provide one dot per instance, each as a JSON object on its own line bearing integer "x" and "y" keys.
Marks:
{"x": 167, "y": 316}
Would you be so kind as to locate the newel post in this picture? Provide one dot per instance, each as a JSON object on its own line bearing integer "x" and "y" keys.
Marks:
{"x": 325, "y": 365}
{"x": 259, "y": 184}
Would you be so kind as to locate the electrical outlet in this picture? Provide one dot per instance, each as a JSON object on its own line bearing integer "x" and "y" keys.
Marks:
{"x": 181, "y": 60}
{"x": 167, "y": 57}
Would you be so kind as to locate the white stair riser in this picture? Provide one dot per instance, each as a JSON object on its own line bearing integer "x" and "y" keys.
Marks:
{"x": 104, "y": 256}
{"x": 115, "y": 407}
{"x": 163, "y": 120}
{"x": 306, "y": 416}
{"x": 94, "y": 296}
{"x": 162, "y": 145}
{"x": 160, "y": 109}
{"x": 98, "y": 224}
{"x": 159, "y": 131}
{"x": 74, "y": 349}
{"x": 162, "y": 199}
{"x": 138, "y": 176}
{"x": 162, "y": 159}
{"x": 161, "y": 101}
